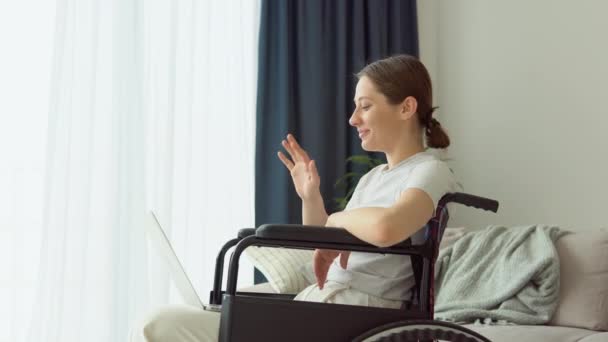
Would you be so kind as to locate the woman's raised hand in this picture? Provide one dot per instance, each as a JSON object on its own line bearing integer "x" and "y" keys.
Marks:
{"x": 303, "y": 170}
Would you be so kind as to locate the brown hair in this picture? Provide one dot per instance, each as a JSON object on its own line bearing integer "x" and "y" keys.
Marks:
{"x": 401, "y": 76}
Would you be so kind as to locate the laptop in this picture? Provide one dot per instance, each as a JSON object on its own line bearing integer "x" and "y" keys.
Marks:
{"x": 161, "y": 244}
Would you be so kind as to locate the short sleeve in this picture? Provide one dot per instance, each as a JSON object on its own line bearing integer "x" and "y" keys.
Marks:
{"x": 433, "y": 177}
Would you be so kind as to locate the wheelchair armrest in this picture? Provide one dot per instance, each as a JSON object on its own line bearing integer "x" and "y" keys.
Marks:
{"x": 245, "y": 232}
{"x": 296, "y": 232}
{"x": 310, "y": 237}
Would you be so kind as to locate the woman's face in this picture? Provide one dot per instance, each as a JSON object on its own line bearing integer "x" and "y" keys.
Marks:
{"x": 378, "y": 122}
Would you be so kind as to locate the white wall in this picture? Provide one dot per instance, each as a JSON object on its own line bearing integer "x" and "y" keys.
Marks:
{"x": 522, "y": 88}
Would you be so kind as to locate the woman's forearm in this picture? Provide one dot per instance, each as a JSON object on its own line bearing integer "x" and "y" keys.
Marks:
{"x": 374, "y": 225}
{"x": 385, "y": 227}
{"x": 313, "y": 212}
{"x": 364, "y": 223}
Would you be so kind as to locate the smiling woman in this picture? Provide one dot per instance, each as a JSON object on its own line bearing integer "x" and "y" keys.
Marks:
{"x": 391, "y": 203}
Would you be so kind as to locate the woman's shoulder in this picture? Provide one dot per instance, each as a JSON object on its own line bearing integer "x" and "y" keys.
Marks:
{"x": 431, "y": 159}
{"x": 434, "y": 170}
{"x": 433, "y": 166}
{"x": 422, "y": 161}
{"x": 431, "y": 162}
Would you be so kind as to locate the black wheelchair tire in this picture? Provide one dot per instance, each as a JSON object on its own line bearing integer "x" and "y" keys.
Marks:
{"x": 420, "y": 330}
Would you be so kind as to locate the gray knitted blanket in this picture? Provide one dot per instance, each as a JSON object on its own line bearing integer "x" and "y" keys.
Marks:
{"x": 499, "y": 273}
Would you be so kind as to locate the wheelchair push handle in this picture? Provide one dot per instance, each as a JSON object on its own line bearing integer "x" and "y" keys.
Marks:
{"x": 470, "y": 201}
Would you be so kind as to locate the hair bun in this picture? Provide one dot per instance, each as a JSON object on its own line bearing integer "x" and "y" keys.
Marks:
{"x": 431, "y": 123}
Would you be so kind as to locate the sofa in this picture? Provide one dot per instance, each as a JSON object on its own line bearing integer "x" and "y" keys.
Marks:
{"x": 581, "y": 314}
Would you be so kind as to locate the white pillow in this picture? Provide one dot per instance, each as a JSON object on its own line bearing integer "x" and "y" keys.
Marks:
{"x": 281, "y": 266}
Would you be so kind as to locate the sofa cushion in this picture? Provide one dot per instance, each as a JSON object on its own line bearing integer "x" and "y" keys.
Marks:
{"x": 584, "y": 281}
{"x": 281, "y": 266}
{"x": 530, "y": 333}
{"x": 599, "y": 337}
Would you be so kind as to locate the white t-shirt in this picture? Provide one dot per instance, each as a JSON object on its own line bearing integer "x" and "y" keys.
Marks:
{"x": 391, "y": 276}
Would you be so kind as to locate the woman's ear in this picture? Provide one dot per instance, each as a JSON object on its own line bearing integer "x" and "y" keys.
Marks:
{"x": 408, "y": 107}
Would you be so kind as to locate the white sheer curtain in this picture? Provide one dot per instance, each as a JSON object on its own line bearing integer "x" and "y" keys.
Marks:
{"x": 26, "y": 38}
{"x": 152, "y": 106}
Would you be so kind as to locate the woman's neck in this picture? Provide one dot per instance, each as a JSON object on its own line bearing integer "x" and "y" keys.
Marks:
{"x": 402, "y": 152}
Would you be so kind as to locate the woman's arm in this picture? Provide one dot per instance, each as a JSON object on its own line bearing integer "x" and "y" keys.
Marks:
{"x": 313, "y": 211}
{"x": 381, "y": 227}
{"x": 306, "y": 180}
{"x": 385, "y": 227}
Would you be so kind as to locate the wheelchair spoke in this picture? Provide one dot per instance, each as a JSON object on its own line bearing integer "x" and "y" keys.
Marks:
{"x": 421, "y": 331}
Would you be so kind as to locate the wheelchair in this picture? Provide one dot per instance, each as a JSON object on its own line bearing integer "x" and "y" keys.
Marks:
{"x": 247, "y": 316}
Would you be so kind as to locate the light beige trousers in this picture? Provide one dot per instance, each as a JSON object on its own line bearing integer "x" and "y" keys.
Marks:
{"x": 188, "y": 324}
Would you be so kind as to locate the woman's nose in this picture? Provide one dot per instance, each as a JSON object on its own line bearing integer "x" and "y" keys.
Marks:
{"x": 354, "y": 119}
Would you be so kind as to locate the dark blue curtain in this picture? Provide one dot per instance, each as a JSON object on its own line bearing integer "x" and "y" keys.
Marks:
{"x": 309, "y": 51}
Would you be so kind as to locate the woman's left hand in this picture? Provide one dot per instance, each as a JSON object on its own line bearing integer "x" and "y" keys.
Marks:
{"x": 323, "y": 258}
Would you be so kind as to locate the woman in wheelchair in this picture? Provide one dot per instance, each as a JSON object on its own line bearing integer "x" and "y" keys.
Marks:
{"x": 391, "y": 203}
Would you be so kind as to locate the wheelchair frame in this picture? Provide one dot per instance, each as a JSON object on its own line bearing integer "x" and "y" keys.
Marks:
{"x": 276, "y": 317}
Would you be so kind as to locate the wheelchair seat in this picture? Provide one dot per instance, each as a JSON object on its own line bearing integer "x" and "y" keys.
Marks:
{"x": 277, "y": 317}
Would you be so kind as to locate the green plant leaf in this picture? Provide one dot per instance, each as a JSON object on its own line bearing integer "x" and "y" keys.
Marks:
{"x": 360, "y": 159}
{"x": 341, "y": 203}
{"x": 350, "y": 192}
{"x": 347, "y": 176}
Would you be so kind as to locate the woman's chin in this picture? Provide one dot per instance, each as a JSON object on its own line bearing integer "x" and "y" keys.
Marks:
{"x": 366, "y": 146}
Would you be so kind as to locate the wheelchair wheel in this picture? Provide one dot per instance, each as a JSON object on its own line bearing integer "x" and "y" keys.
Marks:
{"x": 422, "y": 330}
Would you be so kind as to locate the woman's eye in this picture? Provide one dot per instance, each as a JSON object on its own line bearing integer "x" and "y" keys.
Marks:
{"x": 365, "y": 107}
